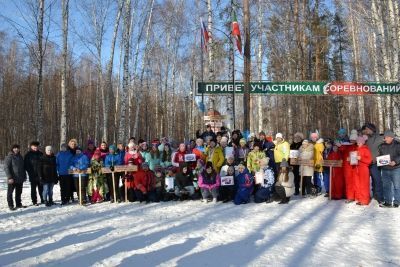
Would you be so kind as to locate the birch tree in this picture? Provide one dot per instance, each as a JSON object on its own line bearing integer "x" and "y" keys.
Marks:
{"x": 63, "y": 126}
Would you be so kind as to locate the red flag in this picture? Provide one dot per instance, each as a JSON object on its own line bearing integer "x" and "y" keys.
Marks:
{"x": 204, "y": 35}
{"x": 236, "y": 32}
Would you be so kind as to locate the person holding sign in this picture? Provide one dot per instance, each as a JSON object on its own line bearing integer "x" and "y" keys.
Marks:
{"x": 80, "y": 163}
{"x": 245, "y": 183}
{"x": 179, "y": 157}
{"x": 265, "y": 179}
{"x": 361, "y": 173}
{"x": 97, "y": 188}
{"x": 345, "y": 149}
{"x": 306, "y": 153}
{"x": 113, "y": 159}
{"x": 391, "y": 171}
{"x": 209, "y": 183}
{"x": 184, "y": 182}
{"x": 338, "y": 190}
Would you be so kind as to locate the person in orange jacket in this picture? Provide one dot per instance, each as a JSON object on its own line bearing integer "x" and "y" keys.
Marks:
{"x": 338, "y": 190}
{"x": 361, "y": 172}
{"x": 145, "y": 184}
{"x": 345, "y": 150}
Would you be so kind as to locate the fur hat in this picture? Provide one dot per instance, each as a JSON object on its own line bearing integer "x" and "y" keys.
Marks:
{"x": 299, "y": 135}
{"x": 48, "y": 149}
{"x": 353, "y": 135}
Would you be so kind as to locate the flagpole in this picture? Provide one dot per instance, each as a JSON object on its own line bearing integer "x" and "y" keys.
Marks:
{"x": 233, "y": 74}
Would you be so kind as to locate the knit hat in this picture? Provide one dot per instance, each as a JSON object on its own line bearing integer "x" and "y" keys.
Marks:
{"x": 90, "y": 142}
{"x": 279, "y": 135}
{"x": 224, "y": 139}
{"x": 361, "y": 140}
{"x": 261, "y": 133}
{"x": 370, "y": 126}
{"x": 48, "y": 149}
{"x": 284, "y": 163}
{"x": 353, "y": 135}
{"x": 243, "y": 141}
{"x": 63, "y": 146}
{"x": 305, "y": 141}
{"x": 97, "y": 154}
{"x": 131, "y": 145}
{"x": 342, "y": 131}
{"x": 112, "y": 147}
{"x": 389, "y": 133}
{"x": 145, "y": 164}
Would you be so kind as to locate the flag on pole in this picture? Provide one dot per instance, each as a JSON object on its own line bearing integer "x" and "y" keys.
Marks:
{"x": 204, "y": 35}
{"x": 236, "y": 32}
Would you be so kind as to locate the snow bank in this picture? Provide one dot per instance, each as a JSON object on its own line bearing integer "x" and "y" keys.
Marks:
{"x": 305, "y": 232}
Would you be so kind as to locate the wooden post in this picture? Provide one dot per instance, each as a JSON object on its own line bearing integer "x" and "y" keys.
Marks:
{"x": 330, "y": 183}
{"x": 113, "y": 181}
{"x": 80, "y": 189}
{"x": 301, "y": 185}
{"x": 126, "y": 188}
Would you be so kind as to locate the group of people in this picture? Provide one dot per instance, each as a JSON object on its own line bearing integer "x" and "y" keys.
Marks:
{"x": 220, "y": 166}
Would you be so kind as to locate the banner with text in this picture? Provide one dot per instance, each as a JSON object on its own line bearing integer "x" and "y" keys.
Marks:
{"x": 300, "y": 88}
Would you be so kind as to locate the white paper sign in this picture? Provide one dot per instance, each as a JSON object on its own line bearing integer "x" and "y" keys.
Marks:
{"x": 294, "y": 154}
{"x": 353, "y": 158}
{"x": 169, "y": 183}
{"x": 227, "y": 180}
{"x": 228, "y": 151}
{"x": 259, "y": 176}
{"x": 383, "y": 160}
{"x": 190, "y": 157}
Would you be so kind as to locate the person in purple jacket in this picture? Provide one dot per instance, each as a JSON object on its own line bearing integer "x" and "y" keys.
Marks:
{"x": 209, "y": 182}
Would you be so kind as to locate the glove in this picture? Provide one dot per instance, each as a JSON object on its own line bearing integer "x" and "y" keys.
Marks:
{"x": 112, "y": 168}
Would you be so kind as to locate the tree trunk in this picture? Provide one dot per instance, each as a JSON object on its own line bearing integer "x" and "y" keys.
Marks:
{"x": 247, "y": 65}
{"x": 125, "y": 77}
{"x": 39, "y": 88}
{"x": 63, "y": 126}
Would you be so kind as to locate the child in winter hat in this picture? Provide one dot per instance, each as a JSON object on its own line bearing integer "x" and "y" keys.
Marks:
{"x": 353, "y": 135}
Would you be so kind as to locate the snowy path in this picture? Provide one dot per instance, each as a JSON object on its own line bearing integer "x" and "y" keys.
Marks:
{"x": 306, "y": 232}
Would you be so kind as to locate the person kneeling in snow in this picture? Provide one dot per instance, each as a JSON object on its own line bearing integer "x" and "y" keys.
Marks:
{"x": 264, "y": 191}
{"x": 209, "y": 182}
{"x": 145, "y": 184}
{"x": 284, "y": 187}
{"x": 245, "y": 185}
{"x": 184, "y": 182}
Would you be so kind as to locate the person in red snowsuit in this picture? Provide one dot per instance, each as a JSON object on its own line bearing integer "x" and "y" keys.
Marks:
{"x": 145, "y": 184}
{"x": 338, "y": 189}
{"x": 361, "y": 173}
{"x": 347, "y": 168}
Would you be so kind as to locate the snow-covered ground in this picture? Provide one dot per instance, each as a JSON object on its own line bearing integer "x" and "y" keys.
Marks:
{"x": 306, "y": 232}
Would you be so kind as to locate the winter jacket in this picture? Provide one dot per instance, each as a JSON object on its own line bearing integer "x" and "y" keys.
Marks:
{"x": 289, "y": 185}
{"x": 199, "y": 152}
{"x": 207, "y": 181}
{"x": 253, "y": 160}
{"x": 281, "y": 151}
{"x": 394, "y": 151}
{"x": 373, "y": 144}
{"x": 154, "y": 161}
{"x": 365, "y": 156}
{"x": 146, "y": 156}
{"x": 216, "y": 156}
{"x": 306, "y": 154}
{"x": 245, "y": 179}
{"x": 14, "y": 167}
{"x": 318, "y": 156}
{"x": 145, "y": 181}
{"x": 80, "y": 162}
{"x": 178, "y": 158}
{"x": 269, "y": 177}
{"x": 241, "y": 154}
{"x": 48, "y": 169}
{"x": 113, "y": 160}
{"x": 137, "y": 157}
{"x": 183, "y": 180}
{"x": 89, "y": 153}
{"x": 31, "y": 162}
{"x": 103, "y": 154}
{"x": 64, "y": 160}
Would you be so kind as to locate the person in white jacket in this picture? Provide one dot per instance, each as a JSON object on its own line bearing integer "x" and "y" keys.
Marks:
{"x": 284, "y": 186}
{"x": 307, "y": 172}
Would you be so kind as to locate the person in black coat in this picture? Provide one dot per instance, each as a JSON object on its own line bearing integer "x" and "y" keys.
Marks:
{"x": 48, "y": 175}
{"x": 184, "y": 182}
{"x": 297, "y": 142}
{"x": 31, "y": 162}
{"x": 16, "y": 176}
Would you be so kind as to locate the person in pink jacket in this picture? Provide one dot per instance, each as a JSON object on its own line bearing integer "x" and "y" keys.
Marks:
{"x": 209, "y": 182}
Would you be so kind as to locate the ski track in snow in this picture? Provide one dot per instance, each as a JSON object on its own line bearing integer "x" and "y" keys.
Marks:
{"x": 305, "y": 232}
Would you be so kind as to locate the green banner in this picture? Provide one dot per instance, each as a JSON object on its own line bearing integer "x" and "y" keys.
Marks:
{"x": 300, "y": 88}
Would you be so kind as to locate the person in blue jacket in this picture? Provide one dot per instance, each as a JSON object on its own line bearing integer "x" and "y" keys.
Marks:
{"x": 113, "y": 159}
{"x": 80, "y": 162}
{"x": 245, "y": 185}
{"x": 64, "y": 160}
